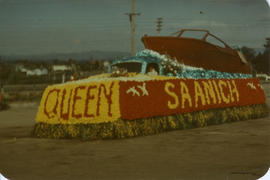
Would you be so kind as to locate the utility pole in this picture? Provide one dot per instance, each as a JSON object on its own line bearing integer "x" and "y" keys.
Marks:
{"x": 131, "y": 19}
{"x": 159, "y": 25}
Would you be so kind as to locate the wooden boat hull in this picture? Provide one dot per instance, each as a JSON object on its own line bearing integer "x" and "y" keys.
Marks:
{"x": 198, "y": 53}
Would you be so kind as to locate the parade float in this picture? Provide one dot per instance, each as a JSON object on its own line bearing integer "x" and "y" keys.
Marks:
{"x": 150, "y": 93}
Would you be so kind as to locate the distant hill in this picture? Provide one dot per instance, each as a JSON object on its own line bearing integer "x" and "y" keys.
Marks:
{"x": 91, "y": 55}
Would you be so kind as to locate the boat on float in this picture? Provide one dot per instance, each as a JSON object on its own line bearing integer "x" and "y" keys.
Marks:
{"x": 208, "y": 52}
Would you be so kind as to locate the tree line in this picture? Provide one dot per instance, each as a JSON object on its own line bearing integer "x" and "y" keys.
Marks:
{"x": 259, "y": 61}
{"x": 11, "y": 74}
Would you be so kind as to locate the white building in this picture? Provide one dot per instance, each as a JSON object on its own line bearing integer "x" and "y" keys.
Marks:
{"x": 32, "y": 72}
{"x": 61, "y": 68}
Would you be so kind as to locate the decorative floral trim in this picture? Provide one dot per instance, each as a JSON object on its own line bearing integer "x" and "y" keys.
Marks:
{"x": 142, "y": 88}
{"x": 173, "y": 67}
{"x": 166, "y": 97}
{"x": 99, "y": 102}
{"x": 140, "y": 127}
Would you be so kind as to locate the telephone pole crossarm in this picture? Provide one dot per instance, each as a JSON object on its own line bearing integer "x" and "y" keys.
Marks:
{"x": 159, "y": 25}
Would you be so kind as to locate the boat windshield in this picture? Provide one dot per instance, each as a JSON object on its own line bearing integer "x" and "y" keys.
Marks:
{"x": 193, "y": 34}
{"x": 203, "y": 35}
{"x": 127, "y": 67}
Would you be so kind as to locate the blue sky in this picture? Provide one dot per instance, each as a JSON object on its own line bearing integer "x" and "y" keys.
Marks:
{"x": 48, "y": 26}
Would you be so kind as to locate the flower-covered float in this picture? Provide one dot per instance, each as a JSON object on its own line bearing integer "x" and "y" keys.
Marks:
{"x": 129, "y": 101}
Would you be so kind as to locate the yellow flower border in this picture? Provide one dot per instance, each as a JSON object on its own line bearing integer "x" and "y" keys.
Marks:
{"x": 140, "y": 127}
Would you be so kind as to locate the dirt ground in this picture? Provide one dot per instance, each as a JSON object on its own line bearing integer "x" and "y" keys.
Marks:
{"x": 234, "y": 151}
